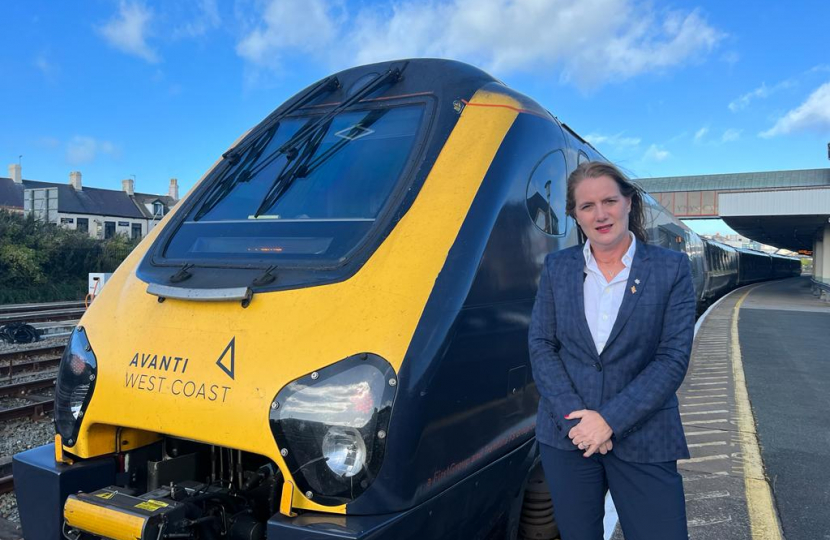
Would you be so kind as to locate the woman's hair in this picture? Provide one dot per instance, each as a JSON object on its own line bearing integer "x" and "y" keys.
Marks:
{"x": 595, "y": 169}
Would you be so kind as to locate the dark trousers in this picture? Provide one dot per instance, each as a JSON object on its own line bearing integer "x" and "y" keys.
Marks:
{"x": 648, "y": 496}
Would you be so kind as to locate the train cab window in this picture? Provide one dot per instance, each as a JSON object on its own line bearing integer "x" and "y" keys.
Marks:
{"x": 583, "y": 158}
{"x": 302, "y": 194}
{"x": 546, "y": 194}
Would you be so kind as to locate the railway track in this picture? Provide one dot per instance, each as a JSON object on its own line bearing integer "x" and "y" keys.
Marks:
{"x": 6, "y": 482}
{"x": 42, "y": 315}
{"x": 7, "y": 309}
{"x": 39, "y": 405}
{"x": 19, "y": 401}
{"x": 16, "y": 361}
{"x": 10, "y": 530}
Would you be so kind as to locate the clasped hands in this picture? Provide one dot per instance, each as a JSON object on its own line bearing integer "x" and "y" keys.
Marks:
{"x": 592, "y": 433}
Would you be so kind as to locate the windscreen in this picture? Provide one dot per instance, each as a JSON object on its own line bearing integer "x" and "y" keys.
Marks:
{"x": 306, "y": 189}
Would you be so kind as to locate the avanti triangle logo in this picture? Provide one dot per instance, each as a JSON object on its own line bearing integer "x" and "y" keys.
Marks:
{"x": 228, "y": 358}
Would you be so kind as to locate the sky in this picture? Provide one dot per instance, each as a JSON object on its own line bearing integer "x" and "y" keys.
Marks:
{"x": 154, "y": 90}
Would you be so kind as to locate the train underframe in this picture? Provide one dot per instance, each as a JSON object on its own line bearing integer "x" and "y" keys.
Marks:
{"x": 177, "y": 489}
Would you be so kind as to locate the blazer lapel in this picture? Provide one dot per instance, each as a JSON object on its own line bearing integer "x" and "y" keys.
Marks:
{"x": 577, "y": 284}
{"x": 637, "y": 280}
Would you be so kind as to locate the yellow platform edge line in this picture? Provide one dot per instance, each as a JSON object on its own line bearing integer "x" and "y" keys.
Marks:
{"x": 763, "y": 517}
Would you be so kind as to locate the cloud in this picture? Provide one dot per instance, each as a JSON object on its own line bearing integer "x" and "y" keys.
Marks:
{"x": 617, "y": 141}
{"x": 205, "y": 19}
{"x": 47, "y": 68}
{"x": 81, "y": 149}
{"x": 128, "y": 30}
{"x": 306, "y": 26}
{"x": 731, "y": 135}
{"x": 48, "y": 142}
{"x": 654, "y": 153}
{"x": 743, "y": 101}
{"x": 730, "y": 58}
{"x": 765, "y": 91}
{"x": 699, "y": 134}
{"x": 812, "y": 115}
{"x": 589, "y": 43}
{"x": 761, "y": 92}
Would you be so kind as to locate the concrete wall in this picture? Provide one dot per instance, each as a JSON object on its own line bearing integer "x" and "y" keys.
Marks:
{"x": 97, "y": 227}
{"x": 821, "y": 256}
{"x": 795, "y": 202}
{"x": 821, "y": 263}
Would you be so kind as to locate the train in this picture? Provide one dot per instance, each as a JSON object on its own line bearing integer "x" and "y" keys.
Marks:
{"x": 327, "y": 337}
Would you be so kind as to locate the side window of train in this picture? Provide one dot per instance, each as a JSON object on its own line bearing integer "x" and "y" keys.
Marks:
{"x": 583, "y": 157}
{"x": 546, "y": 194}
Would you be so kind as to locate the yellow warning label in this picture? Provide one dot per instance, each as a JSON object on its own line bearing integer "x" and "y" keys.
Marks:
{"x": 151, "y": 505}
{"x": 106, "y": 495}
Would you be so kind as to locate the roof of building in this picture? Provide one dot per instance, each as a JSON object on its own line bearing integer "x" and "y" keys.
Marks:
{"x": 738, "y": 181}
{"x": 11, "y": 194}
{"x": 93, "y": 201}
{"x": 143, "y": 199}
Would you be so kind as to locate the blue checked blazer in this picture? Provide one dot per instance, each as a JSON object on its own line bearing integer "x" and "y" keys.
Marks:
{"x": 632, "y": 384}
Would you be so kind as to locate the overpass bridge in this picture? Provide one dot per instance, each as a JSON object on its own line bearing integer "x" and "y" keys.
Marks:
{"x": 785, "y": 209}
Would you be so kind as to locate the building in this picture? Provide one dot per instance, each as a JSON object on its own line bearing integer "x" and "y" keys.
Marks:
{"x": 738, "y": 241}
{"x": 102, "y": 213}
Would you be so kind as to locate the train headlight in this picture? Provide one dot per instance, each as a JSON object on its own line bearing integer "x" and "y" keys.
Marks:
{"x": 344, "y": 451}
{"x": 76, "y": 380}
{"x": 331, "y": 426}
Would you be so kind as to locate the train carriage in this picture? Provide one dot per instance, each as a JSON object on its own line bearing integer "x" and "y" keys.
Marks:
{"x": 753, "y": 266}
{"x": 721, "y": 270}
{"x": 327, "y": 337}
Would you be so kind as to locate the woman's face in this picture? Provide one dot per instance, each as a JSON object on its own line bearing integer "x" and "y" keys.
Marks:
{"x": 602, "y": 212}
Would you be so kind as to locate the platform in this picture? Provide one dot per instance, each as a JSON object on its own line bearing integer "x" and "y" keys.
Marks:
{"x": 756, "y": 412}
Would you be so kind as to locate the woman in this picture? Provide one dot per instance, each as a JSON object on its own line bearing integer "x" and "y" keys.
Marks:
{"x": 610, "y": 341}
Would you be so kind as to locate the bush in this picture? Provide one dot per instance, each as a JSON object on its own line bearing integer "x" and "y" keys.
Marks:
{"x": 41, "y": 262}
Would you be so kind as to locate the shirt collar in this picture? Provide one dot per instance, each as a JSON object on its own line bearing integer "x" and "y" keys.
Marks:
{"x": 627, "y": 258}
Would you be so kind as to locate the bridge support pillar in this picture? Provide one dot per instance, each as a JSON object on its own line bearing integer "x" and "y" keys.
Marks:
{"x": 821, "y": 262}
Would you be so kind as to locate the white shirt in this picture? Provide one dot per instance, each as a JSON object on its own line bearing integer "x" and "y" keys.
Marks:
{"x": 603, "y": 298}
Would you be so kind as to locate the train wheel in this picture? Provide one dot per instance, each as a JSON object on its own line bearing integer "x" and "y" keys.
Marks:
{"x": 536, "y": 521}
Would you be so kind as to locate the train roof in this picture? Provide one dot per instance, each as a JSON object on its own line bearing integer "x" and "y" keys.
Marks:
{"x": 721, "y": 245}
{"x": 445, "y": 79}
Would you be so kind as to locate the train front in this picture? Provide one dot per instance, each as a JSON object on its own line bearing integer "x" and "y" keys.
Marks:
{"x": 241, "y": 366}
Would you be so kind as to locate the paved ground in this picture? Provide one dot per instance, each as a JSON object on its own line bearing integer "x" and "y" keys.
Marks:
{"x": 784, "y": 345}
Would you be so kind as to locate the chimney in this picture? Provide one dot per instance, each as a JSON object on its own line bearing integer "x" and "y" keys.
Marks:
{"x": 173, "y": 192}
{"x": 128, "y": 186}
{"x": 75, "y": 180}
{"x": 15, "y": 173}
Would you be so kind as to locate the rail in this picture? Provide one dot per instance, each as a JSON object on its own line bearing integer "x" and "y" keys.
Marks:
{"x": 42, "y": 315}
{"x": 6, "y": 483}
{"x": 21, "y": 308}
{"x": 30, "y": 410}
{"x": 22, "y": 388}
{"x": 12, "y": 361}
{"x": 39, "y": 405}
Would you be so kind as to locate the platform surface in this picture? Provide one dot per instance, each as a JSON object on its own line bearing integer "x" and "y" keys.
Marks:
{"x": 783, "y": 349}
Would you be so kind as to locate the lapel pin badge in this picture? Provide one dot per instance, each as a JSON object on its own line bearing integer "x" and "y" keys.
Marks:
{"x": 633, "y": 289}
{"x": 637, "y": 281}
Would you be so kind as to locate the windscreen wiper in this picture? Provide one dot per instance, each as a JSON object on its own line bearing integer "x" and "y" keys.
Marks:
{"x": 307, "y": 163}
{"x": 293, "y": 168}
{"x": 392, "y": 76}
{"x": 326, "y": 86}
{"x": 311, "y": 135}
{"x": 353, "y": 134}
{"x": 255, "y": 145}
{"x": 242, "y": 173}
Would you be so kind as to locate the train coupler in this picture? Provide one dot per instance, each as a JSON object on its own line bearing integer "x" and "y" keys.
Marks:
{"x": 110, "y": 513}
